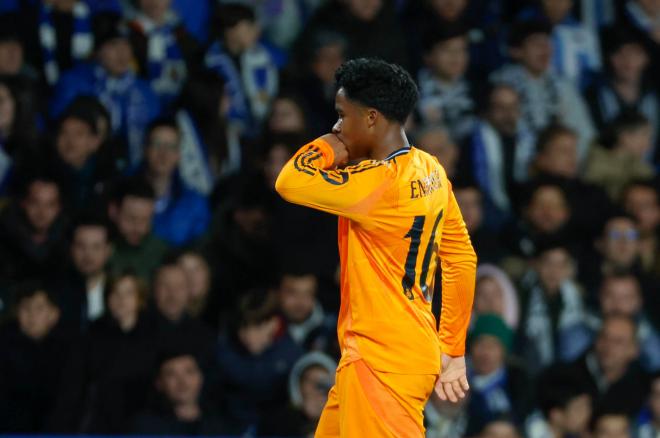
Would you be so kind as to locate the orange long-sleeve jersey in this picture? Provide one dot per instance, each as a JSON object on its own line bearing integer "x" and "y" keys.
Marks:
{"x": 397, "y": 217}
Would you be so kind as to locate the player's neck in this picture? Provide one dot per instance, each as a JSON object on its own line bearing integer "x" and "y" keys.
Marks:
{"x": 392, "y": 140}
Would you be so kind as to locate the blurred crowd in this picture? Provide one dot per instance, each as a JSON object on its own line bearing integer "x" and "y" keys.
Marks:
{"x": 152, "y": 281}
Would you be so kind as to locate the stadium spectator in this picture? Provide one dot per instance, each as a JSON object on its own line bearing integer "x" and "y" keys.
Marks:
{"x": 576, "y": 54}
{"x": 545, "y": 217}
{"x": 180, "y": 214}
{"x": 164, "y": 50}
{"x": 210, "y": 147}
{"x": 77, "y": 161}
{"x": 622, "y": 295}
{"x": 642, "y": 200}
{"x": 500, "y": 428}
{"x": 256, "y": 340}
{"x": 625, "y": 86}
{"x": 371, "y": 29}
{"x": 640, "y": 17}
{"x": 128, "y": 99}
{"x": 32, "y": 232}
{"x": 287, "y": 116}
{"x": 622, "y": 158}
{"x": 299, "y": 230}
{"x": 322, "y": 55}
{"x": 442, "y": 419}
{"x": 614, "y": 424}
{"x": 252, "y": 80}
{"x": 445, "y": 94}
{"x": 494, "y": 293}
{"x": 564, "y": 407}
{"x": 179, "y": 406}
{"x": 12, "y": 53}
{"x": 58, "y": 35}
{"x": 17, "y": 142}
{"x": 552, "y": 311}
{"x": 105, "y": 381}
{"x": 33, "y": 351}
{"x": 545, "y": 96}
{"x": 241, "y": 244}
{"x": 198, "y": 276}
{"x": 310, "y": 379}
{"x": 306, "y": 321}
{"x": 499, "y": 151}
{"x": 485, "y": 241}
{"x": 499, "y": 385}
{"x": 617, "y": 251}
{"x": 132, "y": 210}
{"x": 171, "y": 320}
{"x": 435, "y": 140}
{"x": 610, "y": 369}
{"x": 81, "y": 287}
{"x": 556, "y": 160}
{"x": 649, "y": 424}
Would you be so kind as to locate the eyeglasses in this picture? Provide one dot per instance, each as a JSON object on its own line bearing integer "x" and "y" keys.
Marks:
{"x": 623, "y": 235}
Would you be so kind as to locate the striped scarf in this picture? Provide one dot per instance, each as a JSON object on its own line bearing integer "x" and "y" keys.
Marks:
{"x": 252, "y": 88}
{"x": 540, "y": 98}
{"x": 82, "y": 40}
{"x": 195, "y": 164}
{"x": 489, "y": 161}
{"x": 449, "y": 104}
{"x": 641, "y": 19}
{"x": 128, "y": 108}
{"x": 166, "y": 67}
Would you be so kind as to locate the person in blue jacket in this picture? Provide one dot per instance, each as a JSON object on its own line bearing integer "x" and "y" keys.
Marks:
{"x": 181, "y": 214}
{"x": 130, "y": 101}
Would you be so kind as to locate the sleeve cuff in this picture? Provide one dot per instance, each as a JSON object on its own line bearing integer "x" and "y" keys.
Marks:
{"x": 326, "y": 150}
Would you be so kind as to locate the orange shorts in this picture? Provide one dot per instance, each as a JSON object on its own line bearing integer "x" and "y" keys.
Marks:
{"x": 370, "y": 404}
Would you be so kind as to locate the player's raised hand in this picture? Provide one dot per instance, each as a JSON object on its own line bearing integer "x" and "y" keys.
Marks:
{"x": 341, "y": 153}
{"x": 452, "y": 384}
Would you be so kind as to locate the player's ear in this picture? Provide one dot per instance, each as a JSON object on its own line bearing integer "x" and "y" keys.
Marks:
{"x": 372, "y": 117}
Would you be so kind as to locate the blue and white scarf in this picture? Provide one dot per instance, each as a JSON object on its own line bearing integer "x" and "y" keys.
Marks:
{"x": 576, "y": 52}
{"x": 611, "y": 105}
{"x": 540, "y": 97}
{"x": 538, "y": 325}
{"x": 489, "y": 161}
{"x": 82, "y": 40}
{"x": 252, "y": 88}
{"x": 597, "y": 13}
{"x": 490, "y": 393}
{"x": 449, "y": 104}
{"x": 640, "y": 18}
{"x": 166, "y": 67}
{"x": 194, "y": 166}
{"x": 128, "y": 108}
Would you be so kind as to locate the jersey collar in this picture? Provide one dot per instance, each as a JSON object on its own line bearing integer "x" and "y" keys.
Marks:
{"x": 398, "y": 152}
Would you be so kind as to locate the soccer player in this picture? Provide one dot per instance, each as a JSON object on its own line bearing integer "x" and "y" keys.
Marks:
{"x": 398, "y": 216}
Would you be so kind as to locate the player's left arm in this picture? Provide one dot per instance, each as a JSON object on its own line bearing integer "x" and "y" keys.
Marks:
{"x": 459, "y": 266}
{"x": 311, "y": 178}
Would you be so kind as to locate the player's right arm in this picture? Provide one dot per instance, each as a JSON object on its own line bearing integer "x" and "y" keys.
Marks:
{"x": 311, "y": 179}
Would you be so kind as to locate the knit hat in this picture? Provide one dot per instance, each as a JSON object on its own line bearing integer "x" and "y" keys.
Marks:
{"x": 493, "y": 325}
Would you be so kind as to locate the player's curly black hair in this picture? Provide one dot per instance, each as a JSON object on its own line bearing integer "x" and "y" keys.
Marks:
{"x": 377, "y": 84}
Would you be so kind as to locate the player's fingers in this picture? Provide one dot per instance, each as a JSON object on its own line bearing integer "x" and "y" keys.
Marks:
{"x": 440, "y": 391}
{"x": 456, "y": 386}
{"x": 464, "y": 383}
{"x": 450, "y": 392}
